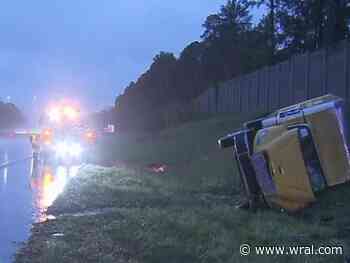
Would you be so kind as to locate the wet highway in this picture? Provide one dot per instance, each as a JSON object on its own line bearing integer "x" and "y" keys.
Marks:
{"x": 24, "y": 194}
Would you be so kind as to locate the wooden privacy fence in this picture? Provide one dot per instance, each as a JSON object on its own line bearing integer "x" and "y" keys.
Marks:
{"x": 299, "y": 78}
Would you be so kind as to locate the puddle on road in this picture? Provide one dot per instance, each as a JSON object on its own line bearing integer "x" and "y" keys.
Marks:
{"x": 25, "y": 195}
{"x": 47, "y": 184}
{"x": 5, "y": 171}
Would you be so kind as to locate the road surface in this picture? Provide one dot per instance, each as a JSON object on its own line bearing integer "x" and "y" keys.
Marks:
{"x": 24, "y": 195}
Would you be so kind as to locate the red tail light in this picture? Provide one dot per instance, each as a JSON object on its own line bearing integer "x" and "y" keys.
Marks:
{"x": 90, "y": 136}
{"x": 46, "y": 136}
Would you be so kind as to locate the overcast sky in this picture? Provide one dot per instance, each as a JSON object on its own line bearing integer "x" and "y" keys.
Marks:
{"x": 89, "y": 50}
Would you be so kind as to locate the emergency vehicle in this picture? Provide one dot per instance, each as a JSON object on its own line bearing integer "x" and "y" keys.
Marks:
{"x": 62, "y": 137}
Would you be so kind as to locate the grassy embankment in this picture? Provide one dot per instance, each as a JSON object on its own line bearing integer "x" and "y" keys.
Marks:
{"x": 184, "y": 215}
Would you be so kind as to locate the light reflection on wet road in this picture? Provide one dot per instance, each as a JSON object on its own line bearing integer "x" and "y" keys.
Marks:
{"x": 24, "y": 195}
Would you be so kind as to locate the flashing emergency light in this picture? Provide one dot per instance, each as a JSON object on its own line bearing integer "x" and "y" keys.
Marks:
{"x": 46, "y": 136}
{"x": 70, "y": 112}
{"x": 60, "y": 113}
{"x": 55, "y": 114}
{"x": 90, "y": 136}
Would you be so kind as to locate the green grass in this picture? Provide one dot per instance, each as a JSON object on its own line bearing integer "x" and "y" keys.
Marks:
{"x": 184, "y": 144}
{"x": 187, "y": 214}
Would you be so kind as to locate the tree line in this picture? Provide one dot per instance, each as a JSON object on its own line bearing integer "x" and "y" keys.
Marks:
{"x": 10, "y": 116}
{"x": 231, "y": 44}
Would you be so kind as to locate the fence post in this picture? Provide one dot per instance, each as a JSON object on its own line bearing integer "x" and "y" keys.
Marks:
{"x": 208, "y": 99}
{"x": 258, "y": 87}
{"x": 216, "y": 89}
{"x": 238, "y": 96}
{"x": 325, "y": 70}
{"x": 346, "y": 69}
{"x": 307, "y": 76}
{"x": 278, "y": 81}
{"x": 291, "y": 73}
{"x": 230, "y": 96}
{"x": 247, "y": 93}
{"x": 266, "y": 78}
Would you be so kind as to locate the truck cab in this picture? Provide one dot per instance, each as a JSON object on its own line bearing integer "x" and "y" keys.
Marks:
{"x": 293, "y": 153}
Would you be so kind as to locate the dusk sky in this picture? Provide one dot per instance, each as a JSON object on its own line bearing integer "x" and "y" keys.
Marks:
{"x": 89, "y": 50}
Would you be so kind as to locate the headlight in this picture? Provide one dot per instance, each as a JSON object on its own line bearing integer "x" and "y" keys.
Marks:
{"x": 76, "y": 149}
{"x": 66, "y": 149}
{"x": 61, "y": 149}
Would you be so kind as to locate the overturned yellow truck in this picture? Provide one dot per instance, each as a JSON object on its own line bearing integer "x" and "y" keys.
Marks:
{"x": 288, "y": 157}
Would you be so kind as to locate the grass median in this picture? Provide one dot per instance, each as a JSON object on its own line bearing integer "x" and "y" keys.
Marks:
{"x": 127, "y": 213}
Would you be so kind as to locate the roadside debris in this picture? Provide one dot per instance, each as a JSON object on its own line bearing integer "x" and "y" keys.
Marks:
{"x": 157, "y": 168}
{"x": 58, "y": 235}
